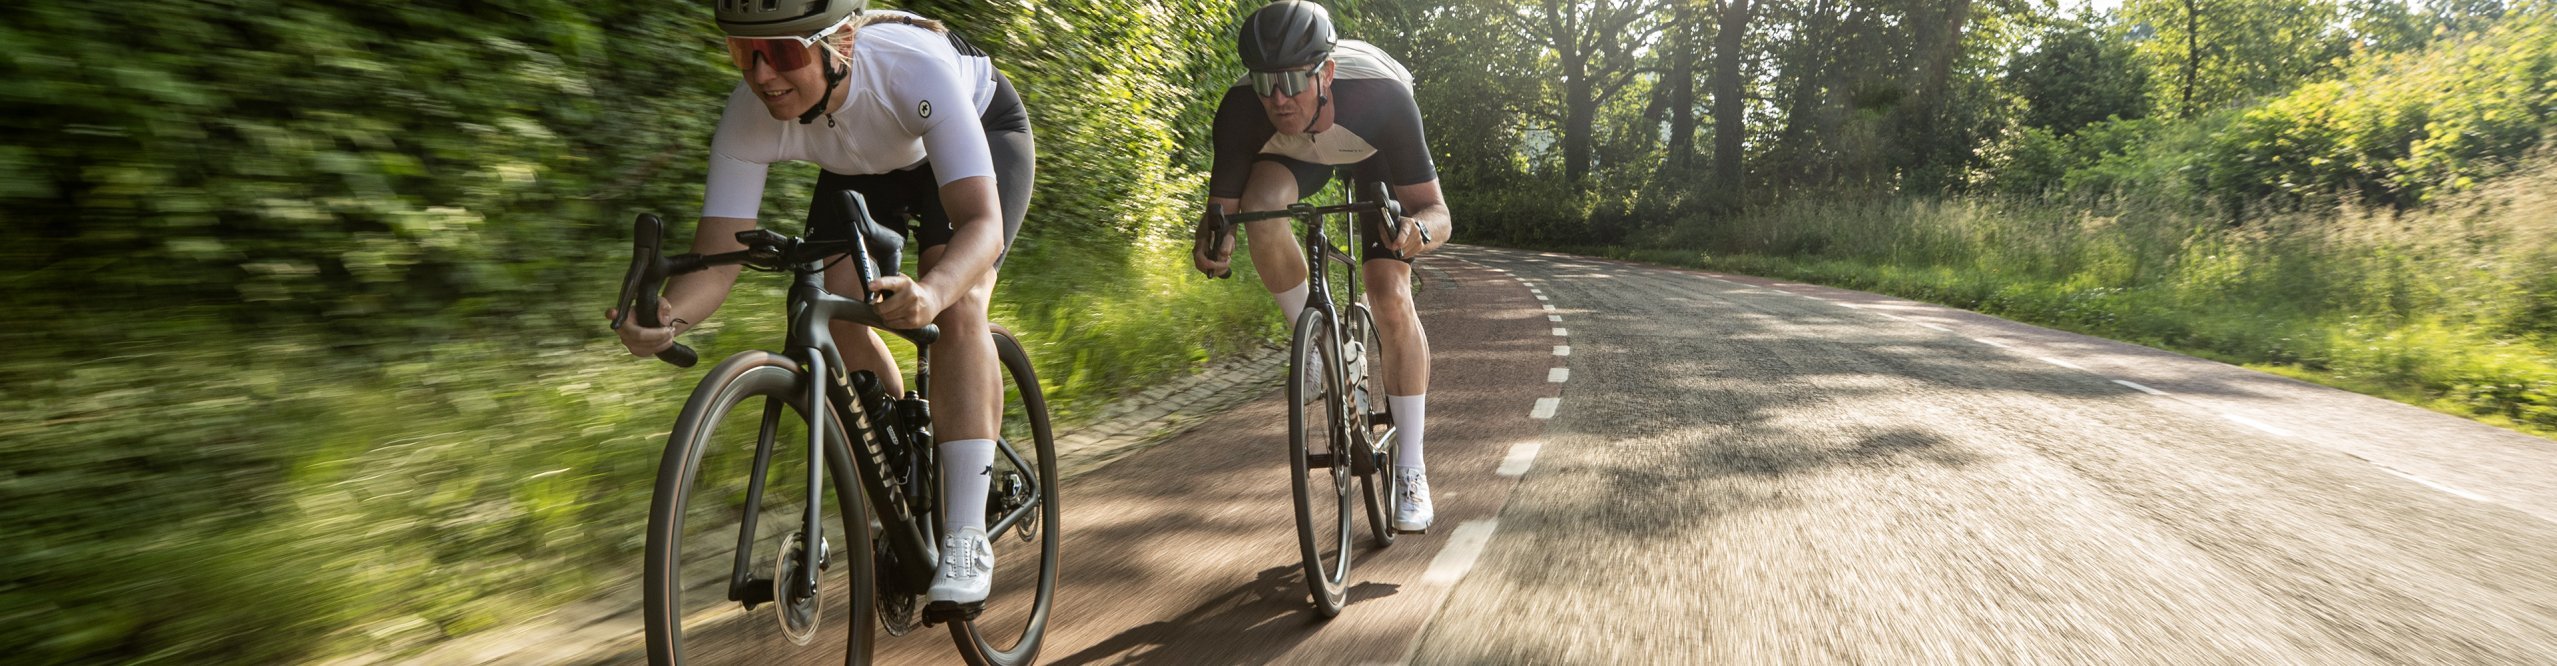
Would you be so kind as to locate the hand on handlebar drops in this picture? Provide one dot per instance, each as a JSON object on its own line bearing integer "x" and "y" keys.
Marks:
{"x": 644, "y": 341}
{"x": 904, "y": 303}
{"x": 1409, "y": 242}
{"x": 1213, "y": 262}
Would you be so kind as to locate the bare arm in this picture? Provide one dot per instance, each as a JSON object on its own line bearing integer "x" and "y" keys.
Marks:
{"x": 976, "y": 239}
{"x": 1422, "y": 204}
{"x": 692, "y": 297}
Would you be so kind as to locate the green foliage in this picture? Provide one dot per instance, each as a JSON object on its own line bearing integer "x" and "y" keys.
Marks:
{"x": 2078, "y": 74}
{"x": 2206, "y": 55}
{"x": 2395, "y": 130}
{"x": 315, "y": 288}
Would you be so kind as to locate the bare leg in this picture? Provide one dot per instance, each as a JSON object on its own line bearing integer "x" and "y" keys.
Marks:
{"x": 967, "y": 400}
{"x": 1273, "y": 244}
{"x": 1398, "y": 327}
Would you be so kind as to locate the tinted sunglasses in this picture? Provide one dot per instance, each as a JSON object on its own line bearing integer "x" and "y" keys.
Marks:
{"x": 1283, "y": 84}
{"x": 783, "y": 53}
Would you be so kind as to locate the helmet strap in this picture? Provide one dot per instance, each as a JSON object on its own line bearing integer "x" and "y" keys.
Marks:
{"x": 1322, "y": 98}
{"x": 834, "y": 77}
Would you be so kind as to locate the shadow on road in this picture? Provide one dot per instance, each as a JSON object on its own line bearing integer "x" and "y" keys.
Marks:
{"x": 1257, "y": 622}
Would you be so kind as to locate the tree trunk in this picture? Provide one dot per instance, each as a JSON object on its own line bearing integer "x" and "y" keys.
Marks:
{"x": 2192, "y": 53}
{"x": 1580, "y": 111}
{"x": 1731, "y": 26}
{"x": 1682, "y": 88}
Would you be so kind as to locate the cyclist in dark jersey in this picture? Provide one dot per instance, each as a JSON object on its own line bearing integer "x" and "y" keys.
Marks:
{"x": 1313, "y": 102}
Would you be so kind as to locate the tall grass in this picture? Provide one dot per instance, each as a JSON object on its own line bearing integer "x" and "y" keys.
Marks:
{"x": 2452, "y": 307}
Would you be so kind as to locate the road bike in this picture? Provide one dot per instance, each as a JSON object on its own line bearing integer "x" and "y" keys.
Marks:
{"x": 714, "y": 509}
{"x": 1334, "y": 436}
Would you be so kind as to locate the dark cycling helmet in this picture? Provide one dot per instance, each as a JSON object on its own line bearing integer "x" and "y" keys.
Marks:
{"x": 1287, "y": 34}
{"x": 783, "y": 18}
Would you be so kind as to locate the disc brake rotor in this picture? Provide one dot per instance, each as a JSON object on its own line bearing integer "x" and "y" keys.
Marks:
{"x": 798, "y": 613}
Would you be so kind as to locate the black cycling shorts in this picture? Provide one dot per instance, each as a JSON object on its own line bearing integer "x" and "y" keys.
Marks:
{"x": 909, "y": 200}
{"x": 1311, "y": 178}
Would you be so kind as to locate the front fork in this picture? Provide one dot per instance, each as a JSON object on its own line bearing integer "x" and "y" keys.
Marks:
{"x": 742, "y": 586}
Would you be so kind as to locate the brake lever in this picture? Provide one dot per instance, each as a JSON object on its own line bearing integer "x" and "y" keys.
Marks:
{"x": 639, "y": 287}
{"x": 1217, "y": 229}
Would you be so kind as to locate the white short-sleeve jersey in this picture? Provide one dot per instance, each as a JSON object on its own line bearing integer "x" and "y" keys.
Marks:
{"x": 915, "y": 95}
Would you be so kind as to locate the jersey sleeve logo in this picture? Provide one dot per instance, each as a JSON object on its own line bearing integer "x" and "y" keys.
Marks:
{"x": 924, "y": 109}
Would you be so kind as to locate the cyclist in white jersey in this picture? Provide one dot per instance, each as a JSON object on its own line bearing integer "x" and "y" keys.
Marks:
{"x": 936, "y": 141}
{"x": 1313, "y": 102}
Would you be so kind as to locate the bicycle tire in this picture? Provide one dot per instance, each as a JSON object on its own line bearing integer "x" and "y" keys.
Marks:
{"x": 974, "y": 644}
{"x": 1329, "y": 585}
{"x": 742, "y": 378}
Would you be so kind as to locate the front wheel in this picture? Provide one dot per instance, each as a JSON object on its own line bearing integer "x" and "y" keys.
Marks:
{"x": 1319, "y": 463}
{"x": 727, "y": 516}
{"x": 1367, "y": 396}
{"x": 1022, "y": 515}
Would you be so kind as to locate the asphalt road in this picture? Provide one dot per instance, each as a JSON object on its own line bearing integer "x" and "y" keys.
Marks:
{"x": 1644, "y": 465}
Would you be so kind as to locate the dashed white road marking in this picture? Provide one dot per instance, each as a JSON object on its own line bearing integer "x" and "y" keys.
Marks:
{"x": 1464, "y": 547}
{"x": 1521, "y": 457}
{"x": 2058, "y": 362}
{"x": 1935, "y": 327}
{"x": 2258, "y": 425}
{"x": 1541, "y": 297}
{"x": 1560, "y": 332}
{"x": 1545, "y": 408}
{"x": 1992, "y": 343}
{"x": 2436, "y": 486}
{"x": 1558, "y": 375}
{"x": 2137, "y": 387}
{"x": 1562, "y": 350}
{"x": 1553, "y": 317}
{"x": 1549, "y": 307}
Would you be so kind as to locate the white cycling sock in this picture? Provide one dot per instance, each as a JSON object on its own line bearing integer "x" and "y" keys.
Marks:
{"x": 1410, "y": 411}
{"x": 967, "y": 469}
{"x": 1292, "y": 304}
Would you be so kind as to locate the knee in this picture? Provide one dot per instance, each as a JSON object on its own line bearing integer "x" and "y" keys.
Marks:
{"x": 969, "y": 311}
{"x": 1265, "y": 198}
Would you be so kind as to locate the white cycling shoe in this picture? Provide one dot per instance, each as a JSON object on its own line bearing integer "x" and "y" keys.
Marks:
{"x": 966, "y": 571}
{"x": 1412, "y": 511}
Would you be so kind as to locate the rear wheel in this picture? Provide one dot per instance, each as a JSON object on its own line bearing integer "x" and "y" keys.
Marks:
{"x": 737, "y": 463}
{"x": 1024, "y": 492}
{"x": 1319, "y": 463}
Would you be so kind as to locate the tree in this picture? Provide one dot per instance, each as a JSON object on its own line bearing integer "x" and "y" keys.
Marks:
{"x": 1731, "y": 18}
{"x": 2214, "y": 53}
{"x": 1596, "y": 45}
{"x": 2078, "y": 73}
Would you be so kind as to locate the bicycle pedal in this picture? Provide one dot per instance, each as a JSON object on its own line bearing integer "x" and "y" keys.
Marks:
{"x": 1423, "y": 530}
{"x": 948, "y": 611}
{"x": 1318, "y": 461}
